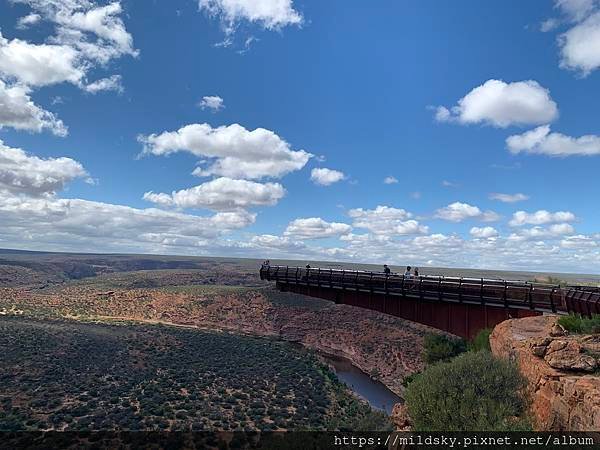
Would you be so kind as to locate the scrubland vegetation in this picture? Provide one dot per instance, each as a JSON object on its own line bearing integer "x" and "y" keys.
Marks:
{"x": 465, "y": 388}
{"x": 576, "y": 323}
{"x": 59, "y": 375}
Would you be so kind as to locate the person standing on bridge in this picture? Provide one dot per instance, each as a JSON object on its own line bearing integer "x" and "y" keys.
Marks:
{"x": 416, "y": 272}
{"x": 407, "y": 274}
{"x": 386, "y": 270}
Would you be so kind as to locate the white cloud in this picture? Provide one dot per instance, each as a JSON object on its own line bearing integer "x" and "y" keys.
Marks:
{"x": 449, "y": 184}
{"x": 74, "y": 224}
{"x": 40, "y": 64}
{"x": 212, "y": 102}
{"x": 270, "y": 241}
{"x": 549, "y": 25}
{"x": 509, "y": 198}
{"x": 578, "y": 242}
{"x": 326, "y": 177}
{"x": 390, "y": 180}
{"x": 541, "y": 217}
{"x": 458, "y": 211}
{"x": 537, "y": 232}
{"x": 580, "y": 46}
{"x": 28, "y": 20}
{"x": 18, "y": 111}
{"x": 484, "y": 232}
{"x": 112, "y": 83}
{"x": 541, "y": 141}
{"x": 385, "y": 220}
{"x": 86, "y": 35}
{"x": 236, "y": 151}
{"x": 575, "y": 9}
{"x": 437, "y": 240}
{"x": 33, "y": 217}
{"x": 98, "y": 32}
{"x": 269, "y": 14}
{"x": 221, "y": 194}
{"x": 315, "y": 228}
{"x": 503, "y": 104}
{"x": 21, "y": 173}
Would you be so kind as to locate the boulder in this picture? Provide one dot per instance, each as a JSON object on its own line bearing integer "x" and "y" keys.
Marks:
{"x": 565, "y": 394}
{"x": 400, "y": 417}
{"x": 569, "y": 356}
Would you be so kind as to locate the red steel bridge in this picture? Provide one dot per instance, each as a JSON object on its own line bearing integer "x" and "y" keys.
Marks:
{"x": 461, "y": 306}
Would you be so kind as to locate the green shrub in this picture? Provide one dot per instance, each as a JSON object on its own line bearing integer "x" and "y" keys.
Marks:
{"x": 439, "y": 347}
{"x": 410, "y": 378}
{"x": 576, "y": 323}
{"x": 481, "y": 341}
{"x": 473, "y": 392}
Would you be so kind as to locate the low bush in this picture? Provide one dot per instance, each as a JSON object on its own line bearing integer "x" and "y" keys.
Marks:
{"x": 576, "y": 323}
{"x": 410, "y": 378}
{"x": 481, "y": 341}
{"x": 439, "y": 347}
{"x": 473, "y": 392}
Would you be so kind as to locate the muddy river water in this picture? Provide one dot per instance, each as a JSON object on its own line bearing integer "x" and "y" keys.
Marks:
{"x": 374, "y": 392}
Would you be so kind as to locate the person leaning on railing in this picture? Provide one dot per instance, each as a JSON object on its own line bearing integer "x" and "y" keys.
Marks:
{"x": 386, "y": 270}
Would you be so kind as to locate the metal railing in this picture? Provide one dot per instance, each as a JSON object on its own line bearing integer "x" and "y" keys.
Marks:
{"x": 486, "y": 291}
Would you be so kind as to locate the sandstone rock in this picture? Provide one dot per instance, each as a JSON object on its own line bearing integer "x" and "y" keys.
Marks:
{"x": 400, "y": 417}
{"x": 558, "y": 330}
{"x": 539, "y": 346}
{"x": 570, "y": 357}
{"x": 563, "y": 398}
{"x": 556, "y": 346}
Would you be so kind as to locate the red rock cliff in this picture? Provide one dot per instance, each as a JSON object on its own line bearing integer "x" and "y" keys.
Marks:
{"x": 562, "y": 371}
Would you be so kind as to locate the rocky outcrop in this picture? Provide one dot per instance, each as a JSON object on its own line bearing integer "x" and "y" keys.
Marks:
{"x": 400, "y": 417}
{"x": 562, "y": 371}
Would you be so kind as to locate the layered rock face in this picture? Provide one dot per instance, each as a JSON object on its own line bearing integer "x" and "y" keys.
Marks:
{"x": 562, "y": 371}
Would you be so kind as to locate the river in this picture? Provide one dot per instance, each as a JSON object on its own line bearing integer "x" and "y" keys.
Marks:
{"x": 374, "y": 392}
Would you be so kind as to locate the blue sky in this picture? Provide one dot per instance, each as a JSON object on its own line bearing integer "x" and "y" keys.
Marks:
{"x": 104, "y": 124}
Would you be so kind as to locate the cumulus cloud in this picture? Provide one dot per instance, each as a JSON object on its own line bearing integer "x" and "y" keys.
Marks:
{"x": 235, "y": 151}
{"x": 578, "y": 241}
{"x": 390, "y": 180}
{"x": 326, "y": 177}
{"x": 580, "y": 46}
{"x": 509, "y": 198}
{"x": 541, "y": 217}
{"x": 21, "y": 173}
{"x": 98, "y": 32}
{"x": 502, "y": 104}
{"x": 86, "y": 35}
{"x": 40, "y": 64}
{"x": 458, "y": 211}
{"x": 385, "y": 220}
{"x": 268, "y": 14}
{"x": 221, "y": 194}
{"x": 18, "y": 111}
{"x": 315, "y": 228}
{"x": 575, "y": 10}
{"x": 437, "y": 240}
{"x": 28, "y": 20}
{"x": 212, "y": 102}
{"x": 483, "y": 232}
{"x": 541, "y": 141}
{"x": 33, "y": 216}
{"x": 537, "y": 232}
{"x": 112, "y": 83}
{"x": 84, "y": 225}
